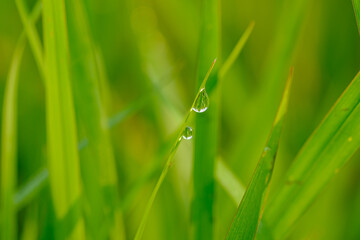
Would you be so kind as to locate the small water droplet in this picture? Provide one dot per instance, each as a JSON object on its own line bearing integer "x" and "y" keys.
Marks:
{"x": 201, "y": 102}
{"x": 266, "y": 149}
{"x": 187, "y": 134}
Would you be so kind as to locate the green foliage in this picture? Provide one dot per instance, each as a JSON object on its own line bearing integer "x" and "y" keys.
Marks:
{"x": 75, "y": 167}
{"x": 326, "y": 151}
{"x": 93, "y": 122}
{"x": 229, "y": 181}
{"x": 63, "y": 158}
{"x": 170, "y": 159}
{"x": 9, "y": 147}
{"x": 9, "y": 141}
{"x": 356, "y": 4}
{"x": 206, "y": 125}
{"x": 245, "y": 223}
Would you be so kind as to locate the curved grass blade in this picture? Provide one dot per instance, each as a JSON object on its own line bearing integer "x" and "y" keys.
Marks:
{"x": 9, "y": 147}
{"x": 331, "y": 145}
{"x": 356, "y": 4}
{"x": 245, "y": 223}
{"x": 31, "y": 33}
{"x": 63, "y": 159}
{"x": 170, "y": 159}
{"x": 9, "y": 140}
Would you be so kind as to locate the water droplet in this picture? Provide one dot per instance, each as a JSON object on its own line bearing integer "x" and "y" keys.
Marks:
{"x": 201, "y": 102}
{"x": 187, "y": 134}
{"x": 266, "y": 149}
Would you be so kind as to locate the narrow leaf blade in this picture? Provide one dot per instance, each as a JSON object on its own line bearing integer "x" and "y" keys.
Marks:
{"x": 245, "y": 223}
{"x": 170, "y": 160}
{"x": 229, "y": 181}
{"x": 63, "y": 159}
{"x": 236, "y": 51}
{"x": 9, "y": 147}
{"x": 331, "y": 145}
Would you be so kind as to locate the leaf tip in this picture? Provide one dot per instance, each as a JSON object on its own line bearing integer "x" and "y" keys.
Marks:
{"x": 285, "y": 98}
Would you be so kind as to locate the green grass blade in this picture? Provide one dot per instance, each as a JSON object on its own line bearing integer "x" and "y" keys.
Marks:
{"x": 9, "y": 140}
{"x": 31, "y": 33}
{"x": 258, "y": 124}
{"x": 63, "y": 159}
{"x": 96, "y": 174}
{"x": 331, "y": 145}
{"x": 236, "y": 51}
{"x": 9, "y": 147}
{"x": 31, "y": 223}
{"x": 170, "y": 160}
{"x": 245, "y": 223}
{"x": 356, "y": 4}
{"x": 206, "y": 125}
{"x": 104, "y": 86}
{"x": 229, "y": 181}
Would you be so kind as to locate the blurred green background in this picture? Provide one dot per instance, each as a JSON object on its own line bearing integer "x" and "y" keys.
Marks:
{"x": 150, "y": 51}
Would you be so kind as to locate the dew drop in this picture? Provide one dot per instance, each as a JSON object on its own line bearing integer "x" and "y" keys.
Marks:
{"x": 201, "y": 102}
{"x": 266, "y": 149}
{"x": 187, "y": 134}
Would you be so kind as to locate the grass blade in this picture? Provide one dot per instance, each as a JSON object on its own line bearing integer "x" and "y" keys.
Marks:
{"x": 63, "y": 159}
{"x": 31, "y": 33}
{"x": 9, "y": 147}
{"x": 31, "y": 224}
{"x": 356, "y": 4}
{"x": 9, "y": 140}
{"x": 229, "y": 181}
{"x": 245, "y": 223}
{"x": 331, "y": 145}
{"x": 278, "y": 60}
{"x": 206, "y": 125}
{"x": 236, "y": 51}
{"x": 97, "y": 175}
{"x": 170, "y": 160}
